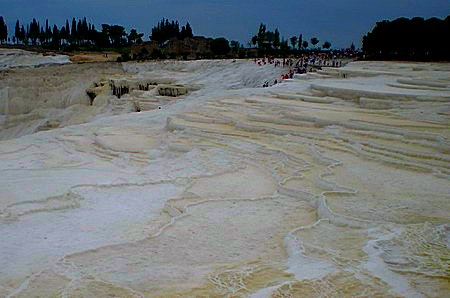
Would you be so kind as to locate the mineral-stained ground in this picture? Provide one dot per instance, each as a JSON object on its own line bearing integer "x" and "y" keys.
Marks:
{"x": 335, "y": 184}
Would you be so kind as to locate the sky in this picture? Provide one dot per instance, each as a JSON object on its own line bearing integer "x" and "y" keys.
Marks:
{"x": 339, "y": 21}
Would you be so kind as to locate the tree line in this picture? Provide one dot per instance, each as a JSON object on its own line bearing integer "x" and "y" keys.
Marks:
{"x": 271, "y": 42}
{"x": 166, "y": 30}
{"x": 409, "y": 39}
{"x": 81, "y": 33}
{"x": 72, "y": 34}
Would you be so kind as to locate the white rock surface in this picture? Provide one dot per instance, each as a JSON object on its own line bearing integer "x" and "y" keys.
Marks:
{"x": 326, "y": 187}
{"x": 10, "y": 58}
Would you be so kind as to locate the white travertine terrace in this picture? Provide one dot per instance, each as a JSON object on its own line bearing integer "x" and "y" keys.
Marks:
{"x": 20, "y": 58}
{"x": 328, "y": 185}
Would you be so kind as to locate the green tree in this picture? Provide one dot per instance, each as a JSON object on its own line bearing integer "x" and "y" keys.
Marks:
{"x": 134, "y": 37}
{"x": 305, "y": 44}
{"x": 326, "y": 45}
{"x": 409, "y": 39}
{"x": 47, "y": 33}
{"x": 276, "y": 39}
{"x": 41, "y": 36}
{"x": 84, "y": 30}
{"x": 34, "y": 31}
{"x": 67, "y": 29}
{"x": 80, "y": 32}
{"x": 166, "y": 30}
{"x": 314, "y": 41}
{"x": 182, "y": 34}
{"x": 284, "y": 47}
{"x": 294, "y": 41}
{"x": 254, "y": 41}
{"x": 261, "y": 36}
{"x": 269, "y": 40}
{"x": 189, "y": 33}
{"x": 220, "y": 46}
{"x": 3, "y": 30}
{"x": 117, "y": 35}
{"x": 300, "y": 41}
{"x": 27, "y": 35}
{"x": 103, "y": 38}
{"x": 23, "y": 35}
{"x": 73, "y": 32}
{"x": 63, "y": 34}
{"x": 235, "y": 46}
{"x": 17, "y": 32}
{"x": 56, "y": 36}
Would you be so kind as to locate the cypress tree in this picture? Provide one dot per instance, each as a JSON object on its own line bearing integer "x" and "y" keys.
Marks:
{"x": 74, "y": 34}
{"x": 56, "y": 36}
{"x": 79, "y": 32}
{"x": 33, "y": 31}
{"x": 189, "y": 33}
{"x": 62, "y": 33}
{"x": 42, "y": 36}
{"x": 93, "y": 35}
{"x": 48, "y": 32}
{"x": 27, "y": 34}
{"x": 67, "y": 28}
{"x": 23, "y": 34}
{"x": 183, "y": 33}
{"x": 17, "y": 32}
{"x": 3, "y": 31}
{"x": 276, "y": 39}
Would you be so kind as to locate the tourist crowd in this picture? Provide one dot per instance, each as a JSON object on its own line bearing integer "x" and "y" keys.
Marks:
{"x": 303, "y": 64}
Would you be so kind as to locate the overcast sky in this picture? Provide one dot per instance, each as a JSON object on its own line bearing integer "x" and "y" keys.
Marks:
{"x": 339, "y": 21}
